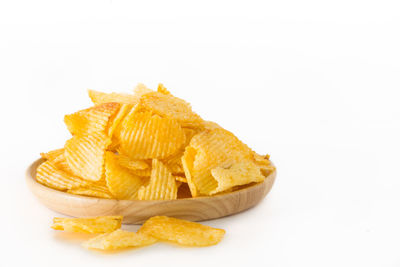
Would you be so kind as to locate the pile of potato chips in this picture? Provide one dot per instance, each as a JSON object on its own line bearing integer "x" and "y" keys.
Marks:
{"x": 158, "y": 228}
{"x": 149, "y": 145}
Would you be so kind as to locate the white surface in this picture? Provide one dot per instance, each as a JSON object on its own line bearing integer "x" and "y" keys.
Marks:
{"x": 315, "y": 84}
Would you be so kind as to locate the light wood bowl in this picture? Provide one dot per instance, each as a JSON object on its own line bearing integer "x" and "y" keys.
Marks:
{"x": 137, "y": 211}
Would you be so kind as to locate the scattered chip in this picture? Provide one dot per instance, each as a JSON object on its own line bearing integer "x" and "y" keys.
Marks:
{"x": 85, "y": 155}
{"x": 119, "y": 239}
{"x": 144, "y": 135}
{"x": 48, "y": 174}
{"x": 240, "y": 173}
{"x": 182, "y": 232}
{"x": 162, "y": 184}
{"x": 102, "y": 224}
{"x": 95, "y": 119}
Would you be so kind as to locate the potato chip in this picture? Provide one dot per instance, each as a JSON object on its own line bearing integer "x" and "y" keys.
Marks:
{"x": 264, "y": 164}
{"x": 162, "y": 184}
{"x": 121, "y": 182}
{"x": 85, "y": 155}
{"x": 93, "y": 190}
{"x": 94, "y": 119}
{"x": 187, "y": 163}
{"x": 132, "y": 164}
{"x": 119, "y": 239}
{"x": 144, "y": 135}
{"x": 51, "y": 155}
{"x": 181, "y": 179}
{"x": 213, "y": 148}
{"x": 182, "y": 232}
{"x": 240, "y": 173}
{"x": 61, "y": 163}
{"x": 102, "y": 224}
{"x": 48, "y": 174}
{"x": 117, "y": 117}
{"x": 174, "y": 163}
{"x": 140, "y": 90}
{"x": 161, "y": 89}
{"x": 100, "y": 98}
{"x": 171, "y": 107}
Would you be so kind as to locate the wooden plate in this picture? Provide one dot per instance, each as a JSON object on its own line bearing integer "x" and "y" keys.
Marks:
{"x": 137, "y": 211}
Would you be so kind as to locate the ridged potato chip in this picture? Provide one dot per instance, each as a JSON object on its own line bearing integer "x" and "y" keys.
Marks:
{"x": 132, "y": 164}
{"x": 162, "y": 184}
{"x": 240, "y": 173}
{"x": 48, "y": 174}
{"x": 121, "y": 182}
{"x": 140, "y": 90}
{"x": 85, "y": 155}
{"x": 187, "y": 163}
{"x": 213, "y": 148}
{"x": 144, "y": 136}
{"x": 61, "y": 163}
{"x": 100, "y": 98}
{"x": 171, "y": 107}
{"x": 94, "y": 119}
{"x": 93, "y": 190}
{"x": 182, "y": 232}
{"x": 161, "y": 89}
{"x": 101, "y": 224}
{"x": 181, "y": 179}
{"x": 119, "y": 239}
{"x": 51, "y": 155}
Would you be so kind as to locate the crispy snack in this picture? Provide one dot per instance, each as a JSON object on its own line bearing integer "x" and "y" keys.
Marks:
{"x": 102, "y": 224}
{"x": 181, "y": 179}
{"x": 132, "y": 164}
{"x": 116, "y": 119}
{"x": 61, "y": 163}
{"x": 172, "y": 107}
{"x": 93, "y": 190}
{"x": 162, "y": 89}
{"x": 182, "y": 232}
{"x": 212, "y": 148}
{"x": 94, "y": 119}
{"x": 119, "y": 239}
{"x": 48, "y": 174}
{"x": 85, "y": 155}
{"x": 140, "y": 90}
{"x": 162, "y": 184}
{"x": 51, "y": 155}
{"x": 100, "y": 98}
{"x": 121, "y": 182}
{"x": 144, "y": 136}
{"x": 240, "y": 173}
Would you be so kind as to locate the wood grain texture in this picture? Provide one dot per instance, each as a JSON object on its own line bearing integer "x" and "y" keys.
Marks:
{"x": 137, "y": 211}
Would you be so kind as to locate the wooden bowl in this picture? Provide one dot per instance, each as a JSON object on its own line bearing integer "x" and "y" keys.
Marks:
{"x": 137, "y": 211}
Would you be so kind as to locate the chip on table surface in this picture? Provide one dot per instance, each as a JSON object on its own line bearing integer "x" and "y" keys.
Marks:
{"x": 182, "y": 232}
{"x": 91, "y": 225}
{"x": 119, "y": 239}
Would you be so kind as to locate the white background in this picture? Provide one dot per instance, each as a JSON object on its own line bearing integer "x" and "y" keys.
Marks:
{"x": 313, "y": 83}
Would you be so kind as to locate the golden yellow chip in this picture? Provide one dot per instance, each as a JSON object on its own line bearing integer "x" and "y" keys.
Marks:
{"x": 181, "y": 179}
{"x": 48, "y": 174}
{"x": 161, "y": 88}
{"x": 119, "y": 239}
{"x": 121, "y": 182}
{"x": 174, "y": 163}
{"x": 93, "y": 190}
{"x": 100, "y": 98}
{"x": 162, "y": 184}
{"x": 171, "y": 107}
{"x": 51, "y": 155}
{"x": 132, "y": 164}
{"x": 94, "y": 119}
{"x": 213, "y": 148}
{"x": 182, "y": 232}
{"x": 140, "y": 90}
{"x": 187, "y": 163}
{"x": 240, "y": 173}
{"x": 117, "y": 117}
{"x": 102, "y": 224}
{"x": 264, "y": 163}
{"x": 85, "y": 155}
{"x": 144, "y": 136}
{"x": 61, "y": 163}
